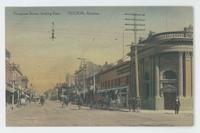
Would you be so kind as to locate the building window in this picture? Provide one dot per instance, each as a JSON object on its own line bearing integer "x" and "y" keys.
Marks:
{"x": 127, "y": 80}
{"x": 108, "y": 84}
{"x": 115, "y": 82}
{"x": 112, "y": 84}
{"x": 119, "y": 80}
{"x": 146, "y": 76}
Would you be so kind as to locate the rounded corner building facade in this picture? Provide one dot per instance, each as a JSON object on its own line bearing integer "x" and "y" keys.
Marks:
{"x": 165, "y": 70}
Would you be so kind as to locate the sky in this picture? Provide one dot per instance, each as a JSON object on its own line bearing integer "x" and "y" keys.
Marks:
{"x": 95, "y": 33}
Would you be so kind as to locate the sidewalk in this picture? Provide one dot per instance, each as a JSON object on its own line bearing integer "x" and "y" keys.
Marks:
{"x": 145, "y": 111}
{"x": 16, "y": 107}
{"x": 158, "y": 111}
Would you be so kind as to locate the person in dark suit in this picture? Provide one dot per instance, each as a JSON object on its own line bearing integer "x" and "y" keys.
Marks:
{"x": 130, "y": 104}
{"x": 177, "y": 105}
{"x": 133, "y": 104}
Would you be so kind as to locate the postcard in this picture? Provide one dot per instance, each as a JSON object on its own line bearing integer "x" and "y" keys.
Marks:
{"x": 99, "y": 66}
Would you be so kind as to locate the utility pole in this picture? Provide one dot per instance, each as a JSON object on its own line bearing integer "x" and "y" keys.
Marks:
{"x": 31, "y": 88}
{"x": 94, "y": 80}
{"x": 136, "y": 23}
{"x": 53, "y": 31}
{"x": 123, "y": 43}
{"x": 83, "y": 69}
{"x": 13, "y": 66}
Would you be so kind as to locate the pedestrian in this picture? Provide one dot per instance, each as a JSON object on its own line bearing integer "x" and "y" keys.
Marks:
{"x": 118, "y": 102}
{"x": 79, "y": 102}
{"x": 42, "y": 100}
{"x": 130, "y": 104}
{"x": 65, "y": 101}
{"x": 177, "y": 105}
{"x": 137, "y": 104}
{"x": 133, "y": 104}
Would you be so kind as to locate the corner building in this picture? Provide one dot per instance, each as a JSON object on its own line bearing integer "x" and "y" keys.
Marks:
{"x": 165, "y": 70}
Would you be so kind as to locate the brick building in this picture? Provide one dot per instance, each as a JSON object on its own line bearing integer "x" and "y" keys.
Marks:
{"x": 113, "y": 82}
{"x": 16, "y": 82}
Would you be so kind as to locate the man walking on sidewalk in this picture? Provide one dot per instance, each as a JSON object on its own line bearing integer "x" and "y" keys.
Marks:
{"x": 130, "y": 104}
{"x": 177, "y": 105}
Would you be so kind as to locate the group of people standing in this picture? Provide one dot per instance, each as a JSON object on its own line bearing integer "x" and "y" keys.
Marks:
{"x": 42, "y": 100}
{"x": 67, "y": 100}
{"x": 134, "y": 105}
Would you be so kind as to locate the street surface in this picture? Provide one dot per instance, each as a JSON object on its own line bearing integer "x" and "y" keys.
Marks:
{"x": 52, "y": 114}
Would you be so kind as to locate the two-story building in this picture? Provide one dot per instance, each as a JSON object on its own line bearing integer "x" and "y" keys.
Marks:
{"x": 113, "y": 82}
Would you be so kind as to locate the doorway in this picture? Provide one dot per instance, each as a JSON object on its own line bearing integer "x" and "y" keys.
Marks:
{"x": 169, "y": 89}
{"x": 169, "y": 99}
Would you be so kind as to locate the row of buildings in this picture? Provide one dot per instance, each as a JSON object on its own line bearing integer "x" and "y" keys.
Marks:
{"x": 17, "y": 84}
{"x": 60, "y": 90}
{"x": 164, "y": 73}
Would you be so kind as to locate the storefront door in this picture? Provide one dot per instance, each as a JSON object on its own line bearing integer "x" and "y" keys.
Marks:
{"x": 169, "y": 99}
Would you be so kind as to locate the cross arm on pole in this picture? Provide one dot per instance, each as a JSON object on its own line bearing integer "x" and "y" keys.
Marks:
{"x": 134, "y": 19}
{"x": 135, "y": 29}
{"x": 135, "y": 14}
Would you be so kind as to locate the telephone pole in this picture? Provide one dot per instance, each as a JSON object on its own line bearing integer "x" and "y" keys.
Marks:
{"x": 83, "y": 69}
{"x": 53, "y": 31}
{"x": 14, "y": 67}
{"x": 135, "y": 23}
{"x": 123, "y": 44}
{"x": 94, "y": 79}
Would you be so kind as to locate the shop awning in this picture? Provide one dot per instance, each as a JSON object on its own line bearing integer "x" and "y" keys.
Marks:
{"x": 10, "y": 89}
{"x": 113, "y": 89}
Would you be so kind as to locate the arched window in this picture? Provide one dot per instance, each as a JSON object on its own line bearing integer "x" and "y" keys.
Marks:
{"x": 169, "y": 75}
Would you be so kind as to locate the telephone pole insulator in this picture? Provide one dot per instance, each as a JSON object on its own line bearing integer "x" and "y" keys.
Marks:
{"x": 53, "y": 32}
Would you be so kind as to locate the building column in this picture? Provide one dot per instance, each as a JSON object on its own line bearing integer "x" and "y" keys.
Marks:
{"x": 153, "y": 77}
{"x": 157, "y": 77}
{"x": 188, "y": 75}
{"x": 180, "y": 81}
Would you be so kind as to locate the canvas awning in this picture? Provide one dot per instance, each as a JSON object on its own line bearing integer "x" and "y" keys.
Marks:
{"x": 113, "y": 89}
{"x": 10, "y": 89}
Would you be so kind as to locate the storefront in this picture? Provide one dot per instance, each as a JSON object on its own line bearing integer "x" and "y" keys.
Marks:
{"x": 118, "y": 96}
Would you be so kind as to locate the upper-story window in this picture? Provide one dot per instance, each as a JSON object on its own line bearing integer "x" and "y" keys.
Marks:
{"x": 112, "y": 84}
{"x": 119, "y": 80}
{"x": 127, "y": 80}
{"x": 116, "y": 83}
{"x": 108, "y": 84}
